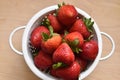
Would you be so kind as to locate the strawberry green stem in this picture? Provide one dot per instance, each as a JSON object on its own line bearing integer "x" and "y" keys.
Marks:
{"x": 58, "y": 65}
{"x": 46, "y": 23}
{"x": 51, "y": 31}
{"x": 46, "y": 36}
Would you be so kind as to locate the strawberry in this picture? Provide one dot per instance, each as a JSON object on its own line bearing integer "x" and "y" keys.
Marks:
{"x": 75, "y": 35}
{"x": 43, "y": 60}
{"x": 54, "y": 23}
{"x": 84, "y": 27}
{"x": 36, "y": 36}
{"x": 75, "y": 40}
{"x": 67, "y": 14}
{"x": 90, "y": 50}
{"x": 50, "y": 42}
{"x": 50, "y": 45}
{"x": 67, "y": 73}
{"x": 63, "y": 54}
{"x": 82, "y": 62}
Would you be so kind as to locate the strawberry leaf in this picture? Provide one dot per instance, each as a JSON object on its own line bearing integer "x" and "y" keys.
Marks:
{"x": 88, "y": 23}
{"x": 74, "y": 45}
{"x": 45, "y": 36}
{"x": 65, "y": 32}
{"x": 58, "y": 65}
{"x": 76, "y": 49}
{"x": 45, "y": 22}
{"x": 59, "y": 5}
{"x": 90, "y": 37}
{"x": 75, "y": 42}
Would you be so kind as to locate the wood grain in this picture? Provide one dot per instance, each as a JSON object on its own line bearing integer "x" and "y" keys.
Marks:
{"x": 14, "y": 13}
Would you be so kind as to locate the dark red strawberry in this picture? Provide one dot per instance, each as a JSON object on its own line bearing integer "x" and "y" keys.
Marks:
{"x": 51, "y": 44}
{"x": 54, "y": 23}
{"x": 63, "y": 54}
{"x": 80, "y": 26}
{"x": 67, "y": 14}
{"x": 90, "y": 50}
{"x": 36, "y": 36}
{"x": 75, "y": 35}
{"x": 82, "y": 62}
{"x": 43, "y": 60}
{"x": 67, "y": 73}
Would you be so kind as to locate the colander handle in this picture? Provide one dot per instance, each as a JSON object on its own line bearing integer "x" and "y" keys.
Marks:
{"x": 10, "y": 39}
{"x": 113, "y": 46}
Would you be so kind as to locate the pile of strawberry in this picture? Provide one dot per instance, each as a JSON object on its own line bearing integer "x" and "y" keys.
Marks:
{"x": 63, "y": 43}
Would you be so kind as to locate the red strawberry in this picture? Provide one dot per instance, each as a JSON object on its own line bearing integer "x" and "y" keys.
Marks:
{"x": 67, "y": 73}
{"x": 54, "y": 23}
{"x": 82, "y": 62}
{"x": 90, "y": 50}
{"x": 75, "y": 35}
{"x": 43, "y": 60}
{"x": 67, "y": 15}
{"x": 36, "y": 37}
{"x": 51, "y": 44}
{"x": 63, "y": 54}
{"x": 80, "y": 27}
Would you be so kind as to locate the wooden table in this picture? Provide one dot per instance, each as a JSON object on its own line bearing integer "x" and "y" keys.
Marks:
{"x": 14, "y": 13}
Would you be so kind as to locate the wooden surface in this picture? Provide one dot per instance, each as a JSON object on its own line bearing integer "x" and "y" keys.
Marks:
{"x": 14, "y": 13}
